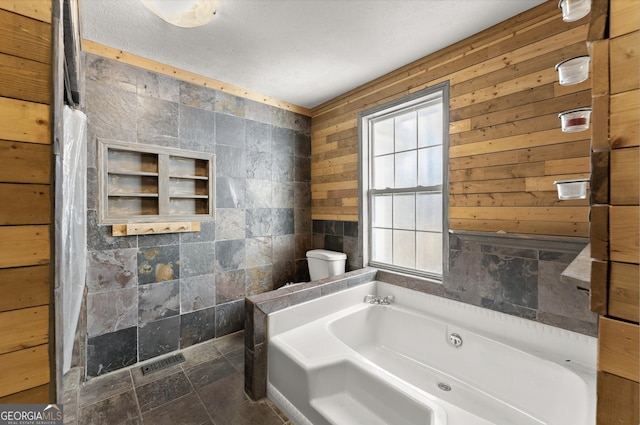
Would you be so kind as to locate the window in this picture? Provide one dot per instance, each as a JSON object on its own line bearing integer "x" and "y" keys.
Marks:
{"x": 404, "y": 155}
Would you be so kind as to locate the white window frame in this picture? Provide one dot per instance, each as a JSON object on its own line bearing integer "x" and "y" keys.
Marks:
{"x": 365, "y": 120}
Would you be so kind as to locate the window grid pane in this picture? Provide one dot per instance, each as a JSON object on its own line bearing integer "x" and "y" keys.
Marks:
{"x": 407, "y": 177}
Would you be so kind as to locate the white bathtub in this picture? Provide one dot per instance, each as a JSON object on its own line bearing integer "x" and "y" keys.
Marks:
{"x": 337, "y": 360}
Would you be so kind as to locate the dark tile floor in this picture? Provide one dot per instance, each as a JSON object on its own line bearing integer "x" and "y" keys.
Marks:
{"x": 206, "y": 389}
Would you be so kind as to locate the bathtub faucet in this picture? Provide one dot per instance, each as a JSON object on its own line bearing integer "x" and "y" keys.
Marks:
{"x": 374, "y": 299}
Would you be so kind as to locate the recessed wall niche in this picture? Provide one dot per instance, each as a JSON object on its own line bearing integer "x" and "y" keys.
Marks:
{"x": 154, "y": 183}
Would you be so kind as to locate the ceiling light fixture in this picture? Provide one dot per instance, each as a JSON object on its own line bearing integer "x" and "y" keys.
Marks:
{"x": 183, "y": 13}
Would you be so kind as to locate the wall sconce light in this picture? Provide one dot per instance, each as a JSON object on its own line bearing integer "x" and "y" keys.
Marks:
{"x": 572, "y": 189}
{"x": 575, "y": 120}
{"x": 183, "y": 13}
{"x": 572, "y": 10}
{"x": 573, "y": 71}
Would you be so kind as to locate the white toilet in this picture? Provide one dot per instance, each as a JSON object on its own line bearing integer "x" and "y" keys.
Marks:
{"x": 324, "y": 263}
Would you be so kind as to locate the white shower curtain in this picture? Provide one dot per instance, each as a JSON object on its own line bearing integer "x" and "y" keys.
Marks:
{"x": 71, "y": 226}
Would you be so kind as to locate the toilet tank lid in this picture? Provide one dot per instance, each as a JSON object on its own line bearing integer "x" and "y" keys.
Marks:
{"x": 326, "y": 254}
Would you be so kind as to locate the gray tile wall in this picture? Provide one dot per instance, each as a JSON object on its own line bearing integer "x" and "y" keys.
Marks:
{"x": 150, "y": 295}
{"x": 517, "y": 275}
{"x": 521, "y": 277}
{"x": 340, "y": 236}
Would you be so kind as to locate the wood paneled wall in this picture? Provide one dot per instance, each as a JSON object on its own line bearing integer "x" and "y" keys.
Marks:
{"x": 615, "y": 217}
{"x": 506, "y": 144}
{"x": 25, "y": 200}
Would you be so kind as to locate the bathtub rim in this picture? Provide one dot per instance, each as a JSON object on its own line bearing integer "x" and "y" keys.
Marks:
{"x": 550, "y": 343}
{"x": 582, "y": 348}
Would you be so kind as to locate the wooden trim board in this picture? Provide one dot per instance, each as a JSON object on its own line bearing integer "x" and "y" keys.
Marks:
{"x": 181, "y": 74}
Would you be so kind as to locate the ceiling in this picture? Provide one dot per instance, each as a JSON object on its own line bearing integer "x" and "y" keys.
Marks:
{"x": 302, "y": 52}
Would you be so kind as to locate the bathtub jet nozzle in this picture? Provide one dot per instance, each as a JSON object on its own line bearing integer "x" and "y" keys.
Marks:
{"x": 455, "y": 340}
{"x": 375, "y": 299}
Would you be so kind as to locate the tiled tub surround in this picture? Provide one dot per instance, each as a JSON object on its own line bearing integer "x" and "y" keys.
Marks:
{"x": 519, "y": 275}
{"x": 513, "y": 274}
{"x": 150, "y": 295}
{"x": 259, "y": 306}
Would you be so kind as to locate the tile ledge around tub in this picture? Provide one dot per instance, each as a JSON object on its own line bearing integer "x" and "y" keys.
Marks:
{"x": 578, "y": 273}
{"x": 258, "y": 308}
{"x": 522, "y": 239}
{"x": 351, "y": 278}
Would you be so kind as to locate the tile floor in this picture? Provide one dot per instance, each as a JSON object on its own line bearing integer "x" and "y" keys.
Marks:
{"x": 206, "y": 389}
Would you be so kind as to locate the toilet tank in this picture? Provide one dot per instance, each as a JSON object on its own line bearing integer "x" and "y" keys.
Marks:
{"x": 324, "y": 263}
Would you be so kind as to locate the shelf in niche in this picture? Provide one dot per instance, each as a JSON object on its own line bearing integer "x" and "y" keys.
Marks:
{"x": 154, "y": 183}
{"x": 132, "y": 173}
{"x": 133, "y": 195}
{"x": 203, "y": 178}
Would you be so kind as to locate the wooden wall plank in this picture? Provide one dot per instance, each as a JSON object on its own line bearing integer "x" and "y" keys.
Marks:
{"x": 488, "y": 186}
{"x": 25, "y": 204}
{"x": 617, "y": 400}
{"x": 546, "y": 182}
{"x": 558, "y": 228}
{"x": 27, "y": 327}
{"x": 618, "y": 348}
{"x": 36, "y": 9}
{"x": 24, "y": 37}
{"x": 498, "y": 172}
{"x": 527, "y": 59}
{"x": 25, "y": 162}
{"x": 520, "y": 141}
{"x": 625, "y": 176}
{"x": 623, "y": 17}
{"x": 504, "y": 103}
{"x": 600, "y": 123}
{"x": 36, "y": 395}
{"x": 624, "y": 231}
{"x": 599, "y": 67}
{"x": 568, "y": 214}
{"x": 598, "y": 19}
{"x": 567, "y": 166}
{"x": 532, "y": 110}
{"x": 624, "y": 291}
{"x": 599, "y": 182}
{"x": 24, "y": 246}
{"x": 624, "y": 121}
{"x": 625, "y": 63}
{"x": 24, "y": 79}
{"x": 512, "y": 199}
{"x": 523, "y": 155}
{"x": 24, "y": 121}
{"x": 24, "y": 369}
{"x": 599, "y": 235}
{"x": 598, "y": 293}
{"x": 514, "y": 128}
{"x": 24, "y": 287}
{"x": 507, "y": 87}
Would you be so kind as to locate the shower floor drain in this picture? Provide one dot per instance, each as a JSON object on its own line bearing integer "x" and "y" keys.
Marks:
{"x": 162, "y": 363}
{"x": 444, "y": 387}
